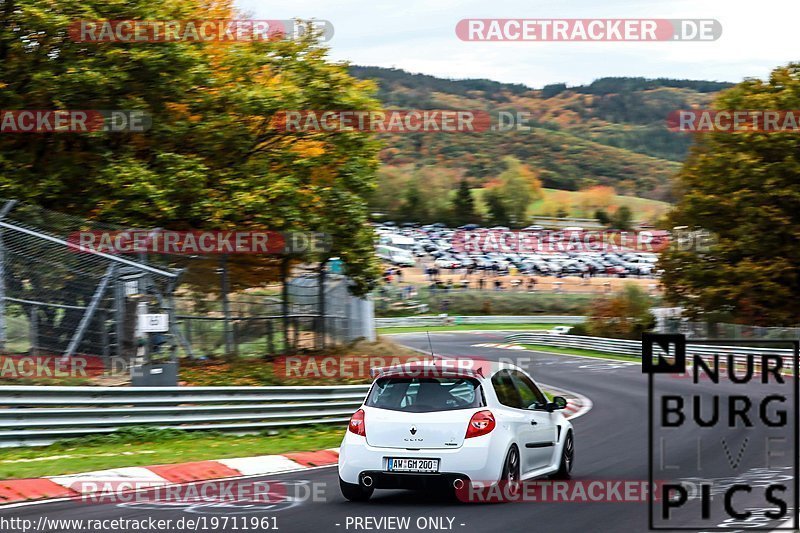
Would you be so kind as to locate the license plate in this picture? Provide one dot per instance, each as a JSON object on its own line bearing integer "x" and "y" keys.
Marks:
{"x": 412, "y": 465}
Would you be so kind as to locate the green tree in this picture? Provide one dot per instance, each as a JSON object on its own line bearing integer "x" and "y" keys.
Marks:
{"x": 496, "y": 207}
{"x": 622, "y": 219}
{"x": 414, "y": 209}
{"x": 464, "y": 205}
{"x": 602, "y": 217}
{"x": 744, "y": 188}
{"x": 213, "y": 158}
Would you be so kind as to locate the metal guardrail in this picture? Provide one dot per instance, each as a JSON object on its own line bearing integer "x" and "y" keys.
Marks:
{"x": 40, "y": 415}
{"x": 442, "y": 320}
{"x": 634, "y": 348}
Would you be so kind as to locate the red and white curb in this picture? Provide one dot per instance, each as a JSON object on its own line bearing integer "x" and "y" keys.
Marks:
{"x": 504, "y": 346}
{"x": 577, "y": 404}
{"x": 20, "y": 491}
{"x": 15, "y": 491}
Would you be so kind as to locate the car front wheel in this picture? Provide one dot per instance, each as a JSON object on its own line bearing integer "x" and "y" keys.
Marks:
{"x": 567, "y": 458}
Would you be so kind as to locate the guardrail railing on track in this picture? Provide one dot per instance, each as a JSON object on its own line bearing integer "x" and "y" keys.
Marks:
{"x": 39, "y": 415}
{"x": 634, "y": 348}
{"x": 440, "y": 320}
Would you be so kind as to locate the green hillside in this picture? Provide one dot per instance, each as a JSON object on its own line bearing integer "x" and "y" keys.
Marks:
{"x": 573, "y": 203}
{"x": 610, "y": 132}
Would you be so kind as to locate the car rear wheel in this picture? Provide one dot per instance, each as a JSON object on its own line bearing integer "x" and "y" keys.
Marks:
{"x": 567, "y": 458}
{"x": 355, "y": 492}
{"x": 511, "y": 471}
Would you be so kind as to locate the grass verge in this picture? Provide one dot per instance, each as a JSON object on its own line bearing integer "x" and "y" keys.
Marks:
{"x": 144, "y": 447}
{"x": 579, "y": 351}
{"x": 464, "y": 327}
{"x": 273, "y": 371}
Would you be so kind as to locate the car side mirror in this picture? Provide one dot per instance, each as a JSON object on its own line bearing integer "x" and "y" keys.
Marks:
{"x": 559, "y": 402}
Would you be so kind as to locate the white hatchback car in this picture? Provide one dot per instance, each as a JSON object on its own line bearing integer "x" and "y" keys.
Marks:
{"x": 426, "y": 424}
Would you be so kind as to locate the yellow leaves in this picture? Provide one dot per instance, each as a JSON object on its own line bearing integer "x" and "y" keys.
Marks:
{"x": 178, "y": 108}
{"x": 308, "y": 148}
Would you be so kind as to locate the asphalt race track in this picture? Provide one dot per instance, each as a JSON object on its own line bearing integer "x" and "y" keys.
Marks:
{"x": 611, "y": 444}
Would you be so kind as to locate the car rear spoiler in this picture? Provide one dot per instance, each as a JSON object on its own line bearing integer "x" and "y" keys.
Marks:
{"x": 446, "y": 368}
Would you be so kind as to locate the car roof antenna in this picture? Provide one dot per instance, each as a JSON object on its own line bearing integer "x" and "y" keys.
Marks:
{"x": 430, "y": 345}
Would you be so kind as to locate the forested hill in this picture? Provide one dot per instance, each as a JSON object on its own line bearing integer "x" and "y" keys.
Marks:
{"x": 609, "y": 132}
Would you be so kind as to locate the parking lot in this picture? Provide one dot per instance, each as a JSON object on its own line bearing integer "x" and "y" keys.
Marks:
{"x": 472, "y": 252}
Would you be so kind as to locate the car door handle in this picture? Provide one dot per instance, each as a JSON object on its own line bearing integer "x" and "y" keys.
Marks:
{"x": 534, "y": 422}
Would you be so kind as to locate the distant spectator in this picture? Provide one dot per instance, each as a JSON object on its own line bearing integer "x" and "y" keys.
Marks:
{"x": 531, "y": 284}
{"x": 498, "y": 285}
{"x": 399, "y": 273}
{"x": 481, "y": 283}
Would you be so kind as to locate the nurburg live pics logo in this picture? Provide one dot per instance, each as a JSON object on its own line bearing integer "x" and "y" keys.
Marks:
{"x": 710, "y": 437}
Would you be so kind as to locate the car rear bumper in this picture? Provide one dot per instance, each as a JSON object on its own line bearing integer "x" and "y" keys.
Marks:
{"x": 478, "y": 459}
{"x": 401, "y": 480}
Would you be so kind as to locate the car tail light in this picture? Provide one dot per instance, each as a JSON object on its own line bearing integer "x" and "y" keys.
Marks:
{"x": 481, "y": 423}
{"x": 357, "y": 423}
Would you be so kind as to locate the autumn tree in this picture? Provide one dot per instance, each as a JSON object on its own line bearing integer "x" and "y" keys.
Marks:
{"x": 744, "y": 188}
{"x": 625, "y": 315}
{"x": 213, "y": 158}
{"x": 596, "y": 197}
{"x": 518, "y": 187}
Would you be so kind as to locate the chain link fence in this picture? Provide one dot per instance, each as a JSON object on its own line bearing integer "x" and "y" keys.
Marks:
{"x": 61, "y": 300}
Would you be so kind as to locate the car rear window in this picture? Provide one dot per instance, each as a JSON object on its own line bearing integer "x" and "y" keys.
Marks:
{"x": 425, "y": 394}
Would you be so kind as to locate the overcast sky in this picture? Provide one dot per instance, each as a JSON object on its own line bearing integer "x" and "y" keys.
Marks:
{"x": 419, "y": 36}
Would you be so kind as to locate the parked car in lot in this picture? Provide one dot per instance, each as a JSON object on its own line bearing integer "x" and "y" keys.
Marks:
{"x": 447, "y": 262}
{"x": 429, "y": 423}
{"x": 396, "y": 256}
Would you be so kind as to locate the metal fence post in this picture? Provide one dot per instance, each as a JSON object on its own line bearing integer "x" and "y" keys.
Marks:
{"x": 285, "y": 302}
{"x": 104, "y": 335}
{"x": 226, "y": 311}
{"x": 322, "y": 329}
{"x": 119, "y": 315}
{"x": 87, "y": 316}
{"x": 3, "y": 333}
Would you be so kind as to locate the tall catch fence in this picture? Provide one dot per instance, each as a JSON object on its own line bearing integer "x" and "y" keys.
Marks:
{"x": 57, "y": 299}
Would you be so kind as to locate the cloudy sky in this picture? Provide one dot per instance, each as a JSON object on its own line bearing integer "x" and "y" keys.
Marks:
{"x": 419, "y": 36}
